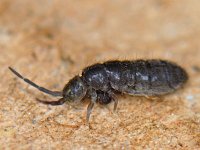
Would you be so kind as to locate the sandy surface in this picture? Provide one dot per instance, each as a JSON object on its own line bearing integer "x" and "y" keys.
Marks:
{"x": 51, "y": 41}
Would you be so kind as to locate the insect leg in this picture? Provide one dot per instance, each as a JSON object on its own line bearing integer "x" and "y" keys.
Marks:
{"x": 115, "y": 100}
{"x": 93, "y": 95}
{"x": 89, "y": 110}
{"x": 115, "y": 104}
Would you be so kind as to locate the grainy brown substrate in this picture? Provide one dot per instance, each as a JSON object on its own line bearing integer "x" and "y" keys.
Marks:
{"x": 51, "y": 41}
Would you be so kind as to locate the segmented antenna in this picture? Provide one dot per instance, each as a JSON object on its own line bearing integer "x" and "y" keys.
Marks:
{"x": 54, "y": 103}
{"x": 42, "y": 89}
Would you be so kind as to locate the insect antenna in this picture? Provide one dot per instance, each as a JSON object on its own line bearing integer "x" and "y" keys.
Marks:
{"x": 58, "y": 102}
{"x": 42, "y": 89}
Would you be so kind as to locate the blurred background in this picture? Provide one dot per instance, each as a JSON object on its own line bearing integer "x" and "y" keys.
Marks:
{"x": 51, "y": 41}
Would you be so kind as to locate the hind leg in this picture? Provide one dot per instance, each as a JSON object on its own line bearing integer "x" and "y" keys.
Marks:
{"x": 115, "y": 104}
{"x": 114, "y": 99}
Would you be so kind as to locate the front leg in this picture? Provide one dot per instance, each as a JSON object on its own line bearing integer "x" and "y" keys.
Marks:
{"x": 89, "y": 110}
{"x": 93, "y": 95}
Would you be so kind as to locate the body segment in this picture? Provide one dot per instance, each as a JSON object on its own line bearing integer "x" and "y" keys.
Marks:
{"x": 150, "y": 77}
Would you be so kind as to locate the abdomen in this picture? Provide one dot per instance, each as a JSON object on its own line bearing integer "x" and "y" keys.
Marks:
{"x": 150, "y": 77}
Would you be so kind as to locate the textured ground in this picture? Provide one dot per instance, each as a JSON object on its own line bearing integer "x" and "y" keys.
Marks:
{"x": 51, "y": 41}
